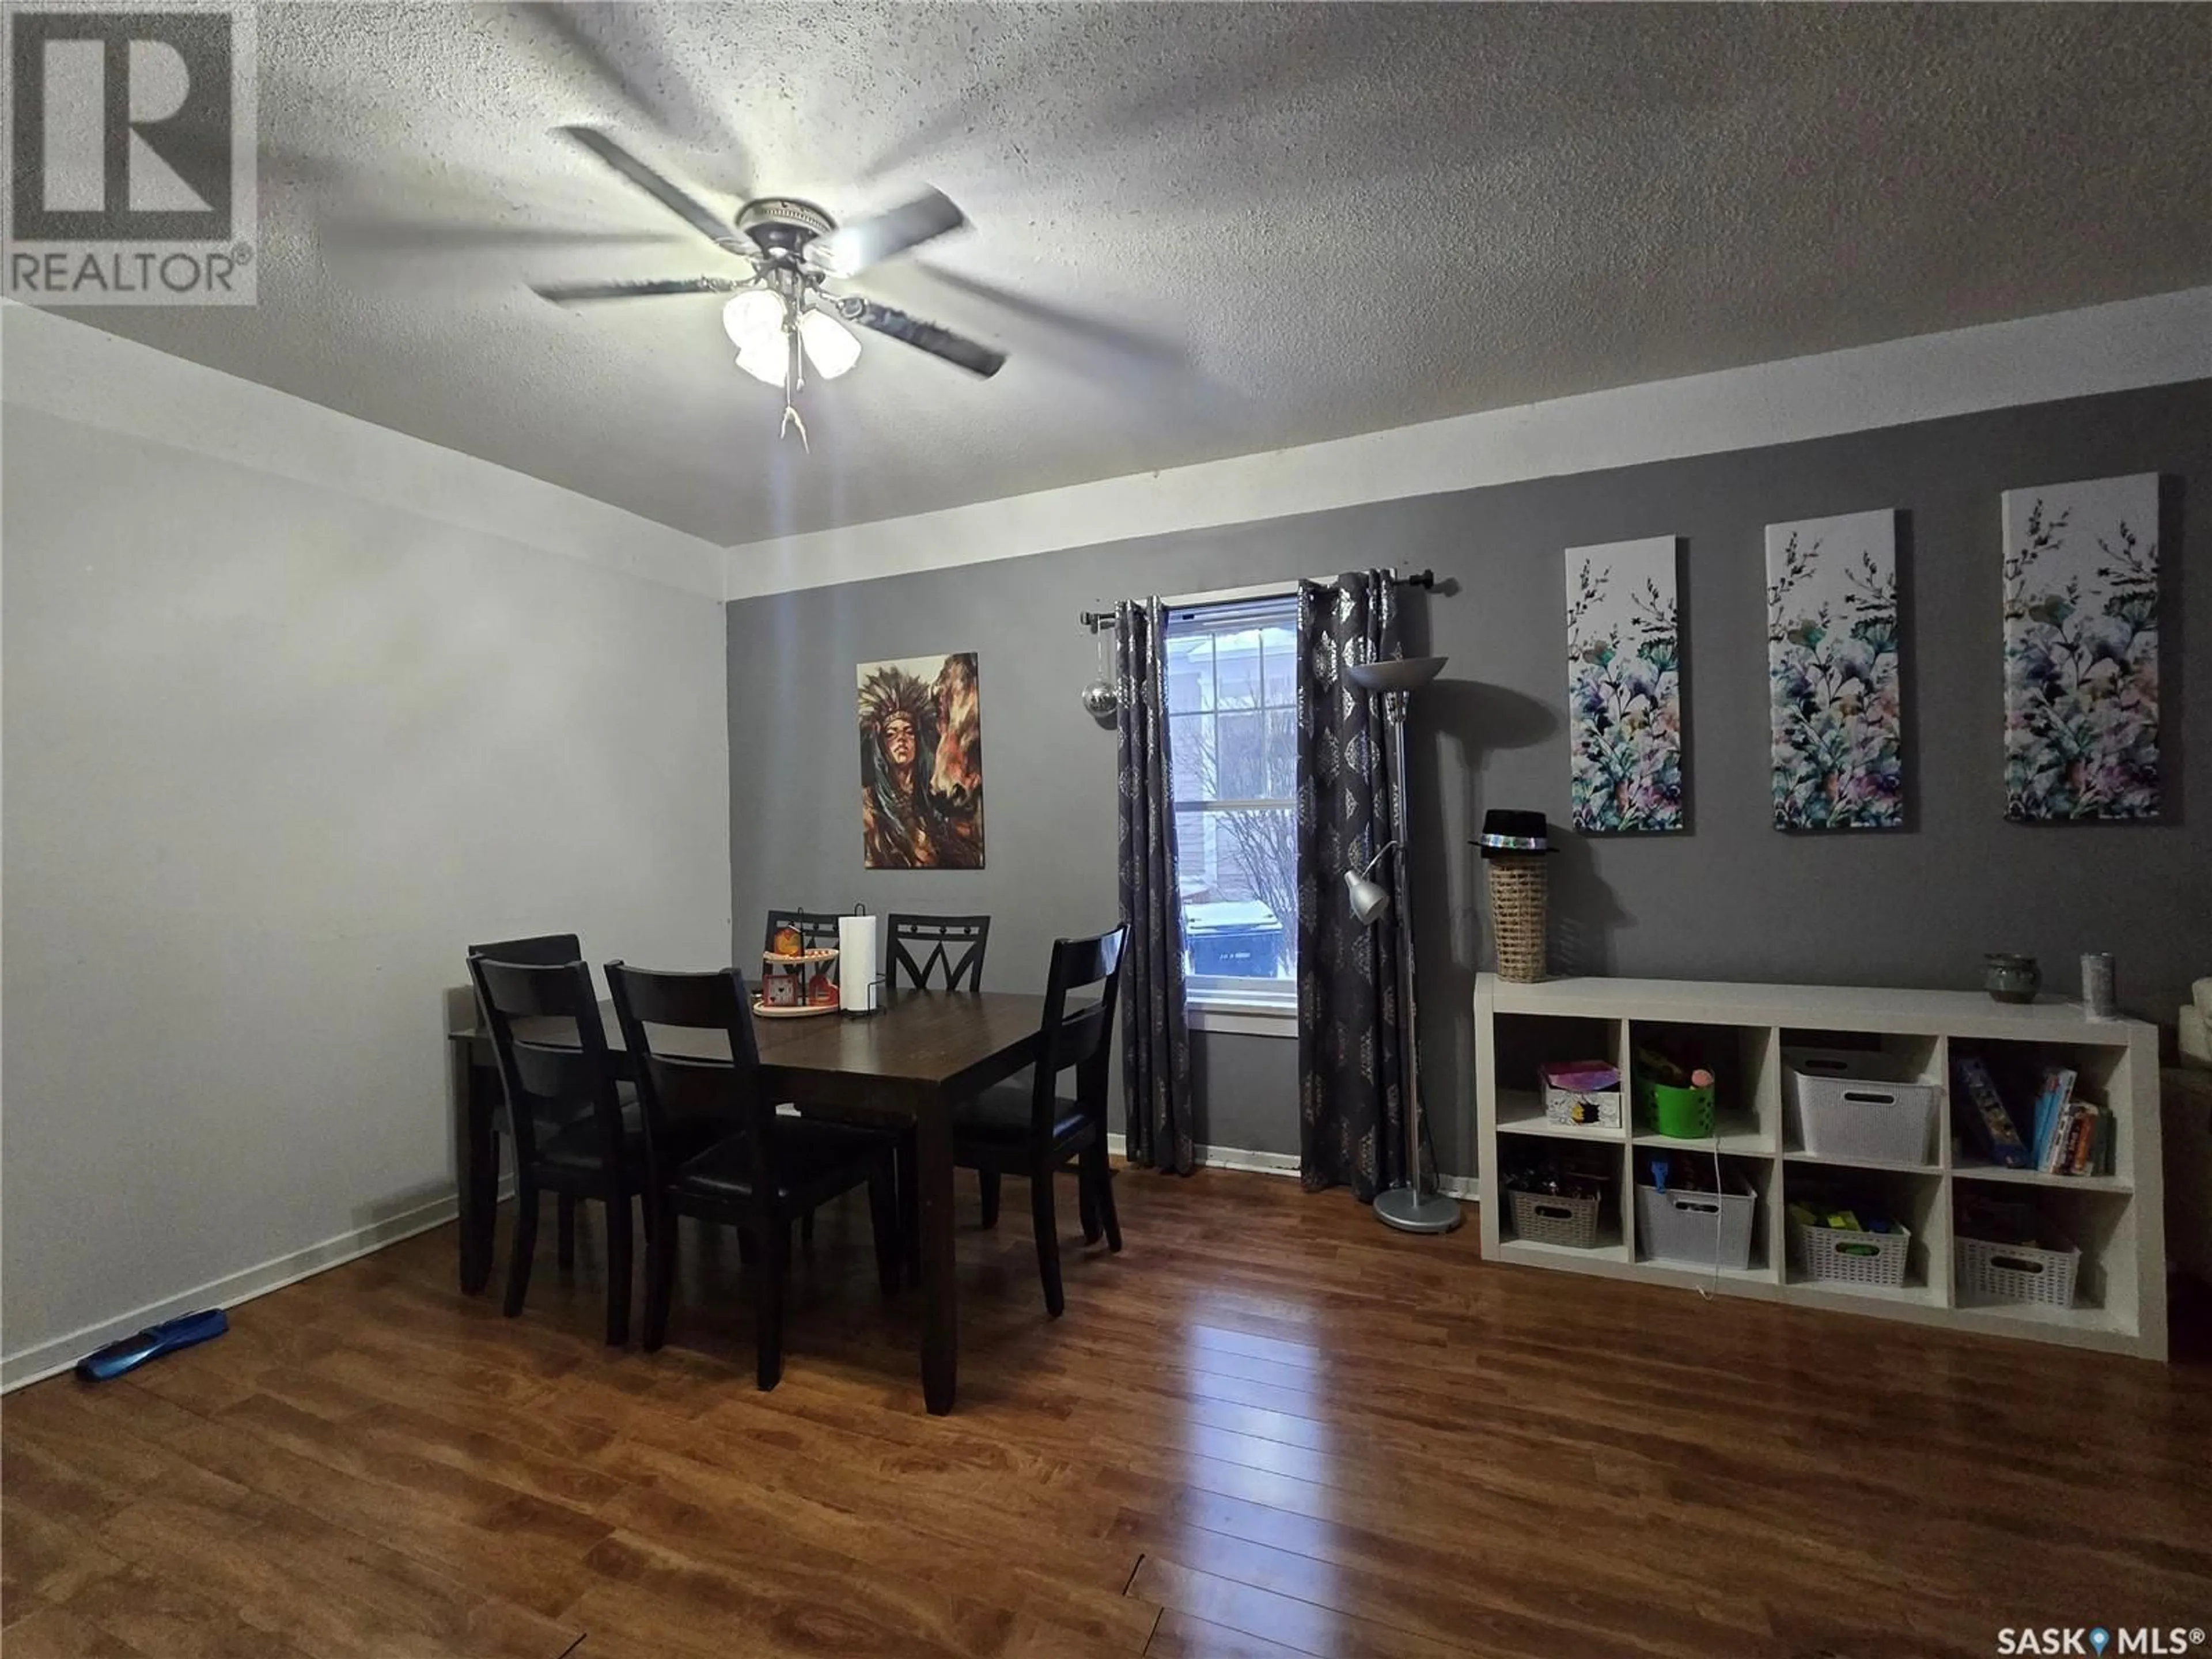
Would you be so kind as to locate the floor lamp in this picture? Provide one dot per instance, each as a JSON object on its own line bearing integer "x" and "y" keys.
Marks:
{"x": 1407, "y": 1207}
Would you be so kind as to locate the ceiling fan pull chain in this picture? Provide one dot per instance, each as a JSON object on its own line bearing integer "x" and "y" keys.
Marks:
{"x": 790, "y": 420}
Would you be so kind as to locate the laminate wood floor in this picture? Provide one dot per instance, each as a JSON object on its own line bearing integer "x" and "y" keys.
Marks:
{"x": 1271, "y": 1427}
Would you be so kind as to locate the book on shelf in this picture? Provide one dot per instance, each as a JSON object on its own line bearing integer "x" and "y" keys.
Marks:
{"x": 2054, "y": 1112}
{"x": 1989, "y": 1124}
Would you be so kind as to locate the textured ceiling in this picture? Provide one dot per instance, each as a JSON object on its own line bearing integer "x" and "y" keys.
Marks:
{"x": 1289, "y": 223}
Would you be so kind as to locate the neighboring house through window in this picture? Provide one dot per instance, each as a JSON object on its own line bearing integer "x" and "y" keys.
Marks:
{"x": 1232, "y": 715}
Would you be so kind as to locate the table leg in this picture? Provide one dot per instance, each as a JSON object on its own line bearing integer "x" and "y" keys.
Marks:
{"x": 941, "y": 1339}
{"x": 476, "y": 1163}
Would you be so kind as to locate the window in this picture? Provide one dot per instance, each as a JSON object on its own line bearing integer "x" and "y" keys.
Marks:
{"x": 1232, "y": 735}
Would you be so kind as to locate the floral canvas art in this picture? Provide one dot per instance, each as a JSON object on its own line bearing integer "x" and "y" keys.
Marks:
{"x": 1623, "y": 686}
{"x": 1832, "y": 668}
{"x": 2081, "y": 651}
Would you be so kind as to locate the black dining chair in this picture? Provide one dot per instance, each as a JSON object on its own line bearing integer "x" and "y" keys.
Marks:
{"x": 1011, "y": 1130}
{"x": 543, "y": 949}
{"x": 566, "y": 1119}
{"x": 772, "y": 1169}
{"x": 948, "y": 951}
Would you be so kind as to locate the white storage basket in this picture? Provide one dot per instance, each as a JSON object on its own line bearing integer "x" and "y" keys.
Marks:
{"x": 1698, "y": 1229}
{"x": 1845, "y": 1105}
{"x": 2016, "y": 1272}
{"x": 1840, "y": 1256}
{"x": 1555, "y": 1218}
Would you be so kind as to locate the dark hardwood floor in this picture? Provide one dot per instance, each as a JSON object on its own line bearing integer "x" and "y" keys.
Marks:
{"x": 1271, "y": 1427}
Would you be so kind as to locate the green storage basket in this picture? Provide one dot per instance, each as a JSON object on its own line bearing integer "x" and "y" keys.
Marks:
{"x": 1685, "y": 1114}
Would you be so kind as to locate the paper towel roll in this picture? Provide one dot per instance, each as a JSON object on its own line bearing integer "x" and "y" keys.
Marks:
{"x": 856, "y": 963}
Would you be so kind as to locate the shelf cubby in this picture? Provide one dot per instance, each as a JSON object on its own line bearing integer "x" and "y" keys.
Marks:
{"x": 1915, "y": 1198}
{"x": 1755, "y": 1172}
{"x": 1740, "y": 1032}
{"x": 2103, "y": 1073}
{"x": 1747, "y": 1080}
{"x": 1526, "y": 1044}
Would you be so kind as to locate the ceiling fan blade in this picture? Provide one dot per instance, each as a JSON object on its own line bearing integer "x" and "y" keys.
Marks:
{"x": 1110, "y": 337}
{"x": 562, "y": 293}
{"x": 377, "y": 234}
{"x": 850, "y": 249}
{"x": 669, "y": 195}
{"x": 955, "y": 348}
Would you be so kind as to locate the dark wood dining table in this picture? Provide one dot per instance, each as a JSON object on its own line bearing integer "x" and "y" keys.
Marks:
{"x": 913, "y": 1062}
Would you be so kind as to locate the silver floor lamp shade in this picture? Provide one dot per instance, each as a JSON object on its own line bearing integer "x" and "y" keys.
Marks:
{"x": 1411, "y": 1207}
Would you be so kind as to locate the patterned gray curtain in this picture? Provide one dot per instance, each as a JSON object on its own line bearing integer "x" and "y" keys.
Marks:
{"x": 1351, "y": 1098}
{"x": 1155, "y": 1041}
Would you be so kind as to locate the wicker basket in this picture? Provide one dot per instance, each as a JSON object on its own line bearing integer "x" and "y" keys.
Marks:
{"x": 1546, "y": 1219}
{"x": 1518, "y": 887}
{"x": 2015, "y": 1273}
{"x": 1850, "y": 1258}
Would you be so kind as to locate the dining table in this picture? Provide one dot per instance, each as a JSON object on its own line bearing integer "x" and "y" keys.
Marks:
{"x": 912, "y": 1061}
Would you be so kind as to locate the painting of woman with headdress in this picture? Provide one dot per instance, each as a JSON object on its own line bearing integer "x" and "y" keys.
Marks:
{"x": 921, "y": 764}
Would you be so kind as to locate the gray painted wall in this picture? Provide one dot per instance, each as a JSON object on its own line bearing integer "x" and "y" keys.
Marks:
{"x": 1729, "y": 898}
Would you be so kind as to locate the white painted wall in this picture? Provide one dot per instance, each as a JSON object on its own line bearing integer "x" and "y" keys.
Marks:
{"x": 278, "y": 744}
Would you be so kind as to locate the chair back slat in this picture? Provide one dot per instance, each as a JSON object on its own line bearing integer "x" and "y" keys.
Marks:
{"x": 949, "y": 948}
{"x": 675, "y": 1091}
{"x": 541, "y": 950}
{"x": 556, "y": 1068}
{"x": 818, "y": 929}
{"x": 1077, "y": 1037}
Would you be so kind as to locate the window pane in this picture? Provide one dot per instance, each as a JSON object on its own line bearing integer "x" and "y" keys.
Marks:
{"x": 1190, "y": 855}
{"x": 1282, "y": 766}
{"x": 1280, "y": 650}
{"x": 1243, "y": 770}
{"x": 1190, "y": 673}
{"x": 1245, "y": 923}
{"x": 1190, "y": 753}
{"x": 1237, "y": 663}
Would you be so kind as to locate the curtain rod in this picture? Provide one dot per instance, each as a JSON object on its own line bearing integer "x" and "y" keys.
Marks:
{"x": 1095, "y": 620}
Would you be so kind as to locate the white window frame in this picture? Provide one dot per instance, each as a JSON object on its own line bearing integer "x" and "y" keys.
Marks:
{"x": 1252, "y": 1008}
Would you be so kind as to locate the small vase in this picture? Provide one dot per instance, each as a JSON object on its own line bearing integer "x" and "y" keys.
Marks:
{"x": 2009, "y": 978}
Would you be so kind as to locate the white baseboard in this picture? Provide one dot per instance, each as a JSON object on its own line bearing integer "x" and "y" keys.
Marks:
{"x": 1285, "y": 1164}
{"x": 51, "y": 1357}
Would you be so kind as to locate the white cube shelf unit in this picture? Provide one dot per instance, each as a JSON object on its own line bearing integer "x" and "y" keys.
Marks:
{"x": 2116, "y": 1220}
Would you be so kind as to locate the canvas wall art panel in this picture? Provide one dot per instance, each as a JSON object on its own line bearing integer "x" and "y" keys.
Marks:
{"x": 1624, "y": 686}
{"x": 1832, "y": 675}
{"x": 2080, "y": 650}
{"x": 921, "y": 764}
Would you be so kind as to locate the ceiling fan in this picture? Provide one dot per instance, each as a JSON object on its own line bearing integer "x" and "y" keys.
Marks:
{"x": 783, "y": 315}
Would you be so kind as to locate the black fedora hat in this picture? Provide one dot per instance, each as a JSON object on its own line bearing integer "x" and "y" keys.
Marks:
{"x": 1508, "y": 834}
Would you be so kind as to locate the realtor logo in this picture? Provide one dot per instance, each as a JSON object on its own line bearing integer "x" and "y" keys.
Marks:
{"x": 130, "y": 148}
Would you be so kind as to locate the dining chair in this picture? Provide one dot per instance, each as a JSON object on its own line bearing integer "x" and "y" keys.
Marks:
{"x": 1010, "y": 1130}
{"x": 543, "y": 949}
{"x": 562, "y": 1110}
{"x": 948, "y": 950}
{"x": 772, "y": 1169}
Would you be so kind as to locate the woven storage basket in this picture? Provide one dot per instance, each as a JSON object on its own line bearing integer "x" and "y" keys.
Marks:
{"x": 2016, "y": 1272}
{"x": 1518, "y": 889}
{"x": 1546, "y": 1219}
{"x": 1850, "y": 1258}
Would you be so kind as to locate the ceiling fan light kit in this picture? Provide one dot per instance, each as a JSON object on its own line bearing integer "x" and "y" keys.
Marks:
{"x": 781, "y": 316}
